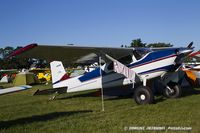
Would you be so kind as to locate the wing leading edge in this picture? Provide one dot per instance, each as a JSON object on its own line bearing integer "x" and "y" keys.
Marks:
{"x": 69, "y": 54}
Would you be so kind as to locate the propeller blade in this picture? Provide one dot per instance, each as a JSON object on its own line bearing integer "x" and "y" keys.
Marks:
{"x": 179, "y": 59}
{"x": 190, "y": 45}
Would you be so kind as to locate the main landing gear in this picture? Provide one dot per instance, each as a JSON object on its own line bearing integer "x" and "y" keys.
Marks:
{"x": 172, "y": 90}
{"x": 143, "y": 95}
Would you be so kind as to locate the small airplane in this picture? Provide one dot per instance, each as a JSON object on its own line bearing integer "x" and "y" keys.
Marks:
{"x": 5, "y": 80}
{"x": 5, "y": 74}
{"x": 42, "y": 74}
{"x": 195, "y": 54}
{"x": 194, "y": 65}
{"x": 192, "y": 69}
{"x": 122, "y": 66}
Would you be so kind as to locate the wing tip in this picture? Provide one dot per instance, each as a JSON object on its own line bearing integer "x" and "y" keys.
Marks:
{"x": 22, "y": 50}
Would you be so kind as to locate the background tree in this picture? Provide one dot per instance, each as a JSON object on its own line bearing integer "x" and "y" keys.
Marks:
{"x": 7, "y": 50}
{"x": 160, "y": 44}
{"x": 137, "y": 43}
{"x": 1, "y": 53}
{"x": 18, "y": 62}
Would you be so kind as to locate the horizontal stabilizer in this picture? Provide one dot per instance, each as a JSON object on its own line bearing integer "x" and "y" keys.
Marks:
{"x": 14, "y": 89}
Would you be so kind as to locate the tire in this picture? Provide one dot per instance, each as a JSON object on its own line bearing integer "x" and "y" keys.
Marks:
{"x": 176, "y": 91}
{"x": 143, "y": 95}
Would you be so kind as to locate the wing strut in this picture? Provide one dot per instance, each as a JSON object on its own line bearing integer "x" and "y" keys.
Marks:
{"x": 102, "y": 97}
{"x": 123, "y": 69}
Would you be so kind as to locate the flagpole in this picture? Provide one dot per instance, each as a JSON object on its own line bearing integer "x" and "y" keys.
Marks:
{"x": 102, "y": 97}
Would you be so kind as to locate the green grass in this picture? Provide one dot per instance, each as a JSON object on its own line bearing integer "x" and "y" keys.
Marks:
{"x": 22, "y": 112}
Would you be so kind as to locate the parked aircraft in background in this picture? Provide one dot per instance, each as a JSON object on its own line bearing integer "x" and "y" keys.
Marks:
{"x": 195, "y": 54}
{"x": 117, "y": 67}
{"x": 192, "y": 69}
{"x": 6, "y": 75}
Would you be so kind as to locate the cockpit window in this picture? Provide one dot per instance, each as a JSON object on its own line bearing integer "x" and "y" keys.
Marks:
{"x": 139, "y": 53}
{"x": 126, "y": 60}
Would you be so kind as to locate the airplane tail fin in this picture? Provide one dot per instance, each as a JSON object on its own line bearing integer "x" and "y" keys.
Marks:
{"x": 58, "y": 72}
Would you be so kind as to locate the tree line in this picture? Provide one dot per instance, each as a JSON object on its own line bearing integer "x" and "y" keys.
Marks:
{"x": 18, "y": 62}
{"x": 138, "y": 43}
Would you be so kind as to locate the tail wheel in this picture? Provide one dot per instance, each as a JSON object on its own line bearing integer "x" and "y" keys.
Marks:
{"x": 174, "y": 91}
{"x": 143, "y": 95}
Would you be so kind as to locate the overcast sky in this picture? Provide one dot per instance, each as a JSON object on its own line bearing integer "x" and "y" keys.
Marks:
{"x": 99, "y": 22}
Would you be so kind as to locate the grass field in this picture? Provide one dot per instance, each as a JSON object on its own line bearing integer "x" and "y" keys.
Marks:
{"x": 22, "y": 112}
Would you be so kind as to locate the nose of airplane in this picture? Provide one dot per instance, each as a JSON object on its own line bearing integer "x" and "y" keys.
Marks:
{"x": 186, "y": 51}
{"x": 181, "y": 54}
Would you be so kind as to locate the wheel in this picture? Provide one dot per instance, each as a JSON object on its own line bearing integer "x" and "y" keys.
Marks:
{"x": 175, "y": 91}
{"x": 143, "y": 95}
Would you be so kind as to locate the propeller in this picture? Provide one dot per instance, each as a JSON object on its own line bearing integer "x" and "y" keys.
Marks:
{"x": 182, "y": 53}
{"x": 190, "y": 45}
{"x": 179, "y": 59}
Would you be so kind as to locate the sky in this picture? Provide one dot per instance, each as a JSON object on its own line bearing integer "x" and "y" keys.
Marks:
{"x": 109, "y": 23}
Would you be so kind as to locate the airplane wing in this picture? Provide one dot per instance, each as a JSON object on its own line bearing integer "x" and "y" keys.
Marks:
{"x": 14, "y": 89}
{"x": 9, "y": 71}
{"x": 68, "y": 54}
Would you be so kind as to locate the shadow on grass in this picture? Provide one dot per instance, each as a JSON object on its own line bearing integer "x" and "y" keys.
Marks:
{"x": 117, "y": 93}
{"x": 89, "y": 94}
{"x": 38, "y": 118}
{"x": 109, "y": 94}
{"x": 187, "y": 91}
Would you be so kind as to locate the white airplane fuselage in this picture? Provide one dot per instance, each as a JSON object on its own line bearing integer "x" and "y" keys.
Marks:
{"x": 153, "y": 64}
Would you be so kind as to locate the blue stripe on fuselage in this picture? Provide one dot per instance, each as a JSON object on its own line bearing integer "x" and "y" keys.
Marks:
{"x": 152, "y": 57}
{"x": 91, "y": 75}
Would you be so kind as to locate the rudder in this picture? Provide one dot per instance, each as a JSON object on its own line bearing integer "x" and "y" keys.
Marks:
{"x": 57, "y": 71}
